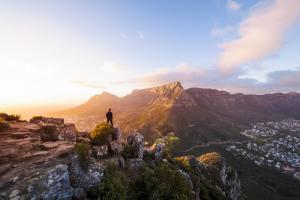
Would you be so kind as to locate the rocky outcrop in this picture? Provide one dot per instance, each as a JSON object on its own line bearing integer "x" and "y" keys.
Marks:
{"x": 86, "y": 178}
{"x": 230, "y": 182}
{"x": 47, "y": 120}
{"x": 158, "y": 151}
{"x": 217, "y": 173}
{"x": 55, "y": 185}
{"x": 54, "y": 129}
{"x": 136, "y": 141}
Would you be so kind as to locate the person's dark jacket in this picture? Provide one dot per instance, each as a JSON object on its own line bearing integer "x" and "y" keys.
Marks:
{"x": 109, "y": 115}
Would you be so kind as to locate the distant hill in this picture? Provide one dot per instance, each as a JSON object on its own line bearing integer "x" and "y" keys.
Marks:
{"x": 194, "y": 114}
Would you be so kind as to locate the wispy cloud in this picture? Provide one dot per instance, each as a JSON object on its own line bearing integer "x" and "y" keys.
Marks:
{"x": 233, "y": 5}
{"x": 260, "y": 34}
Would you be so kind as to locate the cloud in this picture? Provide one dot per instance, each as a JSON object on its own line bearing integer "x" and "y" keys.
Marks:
{"x": 111, "y": 67}
{"x": 276, "y": 81}
{"x": 141, "y": 35}
{"x": 222, "y": 31}
{"x": 89, "y": 85}
{"x": 260, "y": 34}
{"x": 233, "y": 5}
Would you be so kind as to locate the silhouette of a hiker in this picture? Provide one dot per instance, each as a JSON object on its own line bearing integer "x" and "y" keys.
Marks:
{"x": 109, "y": 117}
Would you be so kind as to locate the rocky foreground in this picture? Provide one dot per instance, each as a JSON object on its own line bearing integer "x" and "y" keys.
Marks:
{"x": 42, "y": 159}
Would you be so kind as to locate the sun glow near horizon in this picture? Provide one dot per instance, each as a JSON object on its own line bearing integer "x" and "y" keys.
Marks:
{"x": 61, "y": 53}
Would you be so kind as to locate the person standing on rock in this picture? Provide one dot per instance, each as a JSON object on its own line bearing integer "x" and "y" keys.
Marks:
{"x": 109, "y": 117}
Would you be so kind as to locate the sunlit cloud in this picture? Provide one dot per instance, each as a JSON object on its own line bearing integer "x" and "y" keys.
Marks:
{"x": 260, "y": 34}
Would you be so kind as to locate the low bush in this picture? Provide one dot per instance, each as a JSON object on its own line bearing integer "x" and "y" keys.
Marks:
{"x": 82, "y": 150}
{"x": 128, "y": 152}
{"x": 102, "y": 134}
{"x": 7, "y": 117}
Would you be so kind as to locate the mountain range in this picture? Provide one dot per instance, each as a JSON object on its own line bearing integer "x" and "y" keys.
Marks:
{"x": 196, "y": 115}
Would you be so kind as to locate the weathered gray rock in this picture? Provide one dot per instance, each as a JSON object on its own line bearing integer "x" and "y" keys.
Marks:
{"x": 115, "y": 147}
{"x": 230, "y": 182}
{"x": 136, "y": 140}
{"x": 54, "y": 185}
{"x": 14, "y": 194}
{"x": 100, "y": 151}
{"x": 67, "y": 132}
{"x": 88, "y": 178}
{"x": 158, "y": 151}
{"x": 220, "y": 175}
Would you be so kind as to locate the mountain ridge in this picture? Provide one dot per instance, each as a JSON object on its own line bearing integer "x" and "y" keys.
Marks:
{"x": 196, "y": 114}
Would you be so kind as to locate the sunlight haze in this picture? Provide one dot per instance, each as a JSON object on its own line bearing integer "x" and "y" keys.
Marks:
{"x": 64, "y": 52}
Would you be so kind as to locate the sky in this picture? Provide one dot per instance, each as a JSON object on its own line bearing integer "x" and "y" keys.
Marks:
{"x": 62, "y": 52}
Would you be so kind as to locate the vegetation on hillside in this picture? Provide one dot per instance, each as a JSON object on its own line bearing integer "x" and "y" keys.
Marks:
{"x": 162, "y": 182}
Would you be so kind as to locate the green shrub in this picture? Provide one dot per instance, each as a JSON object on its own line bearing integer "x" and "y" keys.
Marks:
{"x": 114, "y": 186}
{"x": 82, "y": 150}
{"x": 162, "y": 182}
{"x": 128, "y": 151}
{"x": 172, "y": 143}
{"x": 102, "y": 134}
{"x": 7, "y": 117}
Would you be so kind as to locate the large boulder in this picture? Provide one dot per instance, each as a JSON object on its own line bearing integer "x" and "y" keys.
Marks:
{"x": 136, "y": 141}
{"x": 54, "y": 185}
{"x": 86, "y": 178}
{"x": 100, "y": 151}
{"x": 49, "y": 133}
{"x": 52, "y": 133}
{"x": 67, "y": 132}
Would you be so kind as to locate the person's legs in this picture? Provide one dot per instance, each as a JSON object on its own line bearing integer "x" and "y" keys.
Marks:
{"x": 107, "y": 120}
{"x": 111, "y": 122}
